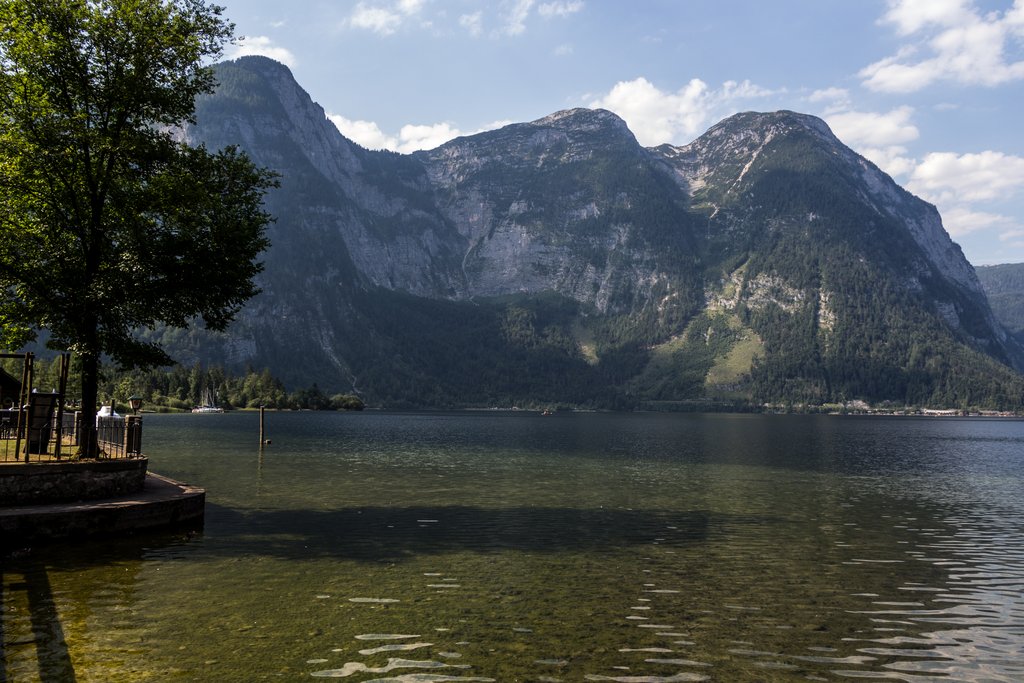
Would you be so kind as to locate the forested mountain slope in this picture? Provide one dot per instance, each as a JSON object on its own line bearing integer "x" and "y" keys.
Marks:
{"x": 1004, "y": 285}
{"x": 558, "y": 261}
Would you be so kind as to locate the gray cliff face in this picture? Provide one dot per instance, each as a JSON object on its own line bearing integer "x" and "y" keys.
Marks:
{"x": 535, "y": 207}
{"x": 375, "y": 208}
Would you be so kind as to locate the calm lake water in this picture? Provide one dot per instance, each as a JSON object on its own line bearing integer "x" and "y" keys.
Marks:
{"x": 576, "y": 547}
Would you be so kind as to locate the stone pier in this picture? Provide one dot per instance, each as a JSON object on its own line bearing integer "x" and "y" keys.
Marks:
{"x": 50, "y": 501}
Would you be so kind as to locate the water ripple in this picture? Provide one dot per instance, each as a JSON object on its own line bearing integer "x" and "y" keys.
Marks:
{"x": 396, "y": 647}
{"x": 351, "y": 668}
{"x": 385, "y": 636}
{"x": 426, "y": 678}
{"x": 684, "y": 677}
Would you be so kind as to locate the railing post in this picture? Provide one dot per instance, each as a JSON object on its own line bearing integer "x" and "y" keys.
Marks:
{"x": 133, "y": 436}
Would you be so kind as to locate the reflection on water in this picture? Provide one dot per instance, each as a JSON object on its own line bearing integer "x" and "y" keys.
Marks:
{"x": 487, "y": 547}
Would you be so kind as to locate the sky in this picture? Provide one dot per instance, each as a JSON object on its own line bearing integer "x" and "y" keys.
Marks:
{"x": 932, "y": 91}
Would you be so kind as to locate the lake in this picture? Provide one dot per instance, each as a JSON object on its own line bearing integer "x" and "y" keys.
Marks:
{"x": 572, "y": 547}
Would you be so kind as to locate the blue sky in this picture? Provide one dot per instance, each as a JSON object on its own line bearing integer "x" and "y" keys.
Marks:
{"x": 930, "y": 90}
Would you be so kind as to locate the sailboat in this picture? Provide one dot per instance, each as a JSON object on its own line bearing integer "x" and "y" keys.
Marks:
{"x": 208, "y": 405}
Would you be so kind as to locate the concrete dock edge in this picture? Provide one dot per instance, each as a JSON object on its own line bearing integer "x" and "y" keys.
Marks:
{"x": 162, "y": 503}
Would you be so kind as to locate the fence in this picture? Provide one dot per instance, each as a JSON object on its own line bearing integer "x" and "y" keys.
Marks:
{"x": 36, "y": 434}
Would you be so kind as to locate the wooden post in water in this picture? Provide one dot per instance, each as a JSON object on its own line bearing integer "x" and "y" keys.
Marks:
{"x": 262, "y": 429}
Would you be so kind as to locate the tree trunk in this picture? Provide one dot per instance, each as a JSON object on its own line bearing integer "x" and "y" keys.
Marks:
{"x": 88, "y": 444}
{"x": 88, "y": 331}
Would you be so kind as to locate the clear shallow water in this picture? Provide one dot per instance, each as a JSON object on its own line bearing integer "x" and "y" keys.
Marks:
{"x": 514, "y": 547}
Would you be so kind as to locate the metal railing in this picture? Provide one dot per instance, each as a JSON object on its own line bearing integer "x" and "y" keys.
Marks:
{"x": 119, "y": 437}
{"x": 49, "y": 439}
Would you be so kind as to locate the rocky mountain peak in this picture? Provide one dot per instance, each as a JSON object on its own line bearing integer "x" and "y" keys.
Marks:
{"x": 743, "y": 136}
{"x": 267, "y": 67}
{"x": 773, "y": 123}
{"x": 584, "y": 120}
{"x": 266, "y": 102}
{"x": 567, "y": 135}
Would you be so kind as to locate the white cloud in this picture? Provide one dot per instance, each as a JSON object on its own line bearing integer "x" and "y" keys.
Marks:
{"x": 657, "y": 117}
{"x": 1015, "y": 16}
{"x": 410, "y": 7}
{"x": 985, "y": 176}
{"x": 892, "y": 160}
{"x": 955, "y": 42}
{"x": 384, "y": 19}
{"x": 365, "y": 133}
{"x": 913, "y": 15}
{"x": 742, "y": 90}
{"x": 515, "y": 19}
{"x": 1014, "y": 237}
{"x": 960, "y": 220}
{"x": 563, "y": 50}
{"x": 376, "y": 19}
{"x": 261, "y": 45}
{"x": 518, "y": 11}
{"x": 836, "y": 99}
{"x": 871, "y": 129}
{"x": 493, "y": 125}
{"x": 514, "y": 15}
{"x": 560, "y": 9}
{"x": 410, "y": 138}
{"x": 957, "y": 182}
{"x": 413, "y": 137}
{"x": 878, "y": 136}
{"x": 472, "y": 23}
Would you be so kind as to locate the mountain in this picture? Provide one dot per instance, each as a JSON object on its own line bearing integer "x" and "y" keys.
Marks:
{"x": 1004, "y": 285}
{"x": 560, "y": 262}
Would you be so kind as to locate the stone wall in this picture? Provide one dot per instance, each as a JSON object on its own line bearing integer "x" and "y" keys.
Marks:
{"x": 54, "y": 482}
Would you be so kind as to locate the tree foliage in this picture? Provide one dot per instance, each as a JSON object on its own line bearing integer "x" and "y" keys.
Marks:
{"x": 184, "y": 387}
{"x": 109, "y": 222}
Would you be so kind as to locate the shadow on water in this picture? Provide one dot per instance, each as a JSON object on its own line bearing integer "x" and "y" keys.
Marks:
{"x": 30, "y": 611}
{"x": 45, "y": 629}
{"x": 395, "y": 533}
{"x": 3, "y": 637}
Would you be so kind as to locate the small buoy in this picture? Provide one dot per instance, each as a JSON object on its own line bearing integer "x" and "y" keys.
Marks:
{"x": 267, "y": 441}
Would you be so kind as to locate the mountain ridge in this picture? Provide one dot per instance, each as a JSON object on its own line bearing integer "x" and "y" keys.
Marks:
{"x": 597, "y": 264}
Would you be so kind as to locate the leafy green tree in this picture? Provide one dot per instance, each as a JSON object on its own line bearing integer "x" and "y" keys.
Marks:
{"x": 346, "y": 402}
{"x": 109, "y": 222}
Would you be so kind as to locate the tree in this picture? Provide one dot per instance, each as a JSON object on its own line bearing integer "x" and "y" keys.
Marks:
{"x": 109, "y": 221}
